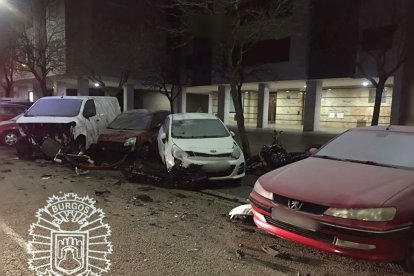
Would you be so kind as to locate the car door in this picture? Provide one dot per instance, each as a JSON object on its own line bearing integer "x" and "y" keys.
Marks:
{"x": 164, "y": 129}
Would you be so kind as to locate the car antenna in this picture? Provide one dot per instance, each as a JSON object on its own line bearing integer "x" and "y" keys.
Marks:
{"x": 388, "y": 127}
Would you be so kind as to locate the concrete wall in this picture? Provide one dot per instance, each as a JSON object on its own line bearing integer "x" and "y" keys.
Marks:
{"x": 289, "y": 107}
{"x": 154, "y": 100}
{"x": 354, "y": 105}
{"x": 197, "y": 103}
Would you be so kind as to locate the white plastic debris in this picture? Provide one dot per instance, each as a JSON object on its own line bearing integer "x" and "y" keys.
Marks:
{"x": 241, "y": 212}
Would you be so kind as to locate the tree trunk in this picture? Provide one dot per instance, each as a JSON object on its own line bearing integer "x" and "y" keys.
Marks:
{"x": 171, "y": 105}
{"x": 43, "y": 87}
{"x": 378, "y": 99}
{"x": 8, "y": 91}
{"x": 240, "y": 120}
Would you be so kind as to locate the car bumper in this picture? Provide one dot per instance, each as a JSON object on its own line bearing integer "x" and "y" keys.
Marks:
{"x": 389, "y": 245}
{"x": 219, "y": 169}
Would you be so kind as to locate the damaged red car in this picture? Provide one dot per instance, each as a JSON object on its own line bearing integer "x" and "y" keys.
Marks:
{"x": 133, "y": 131}
{"x": 352, "y": 197}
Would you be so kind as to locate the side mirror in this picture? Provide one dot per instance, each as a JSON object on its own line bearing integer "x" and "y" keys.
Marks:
{"x": 163, "y": 137}
{"x": 312, "y": 151}
{"x": 232, "y": 133}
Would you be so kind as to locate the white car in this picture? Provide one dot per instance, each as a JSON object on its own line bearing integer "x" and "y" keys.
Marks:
{"x": 201, "y": 139}
{"x": 70, "y": 122}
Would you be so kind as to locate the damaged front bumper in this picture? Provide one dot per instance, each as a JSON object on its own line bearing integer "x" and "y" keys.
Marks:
{"x": 217, "y": 168}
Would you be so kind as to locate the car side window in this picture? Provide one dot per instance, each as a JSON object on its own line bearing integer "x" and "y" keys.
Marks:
{"x": 89, "y": 110}
{"x": 166, "y": 126}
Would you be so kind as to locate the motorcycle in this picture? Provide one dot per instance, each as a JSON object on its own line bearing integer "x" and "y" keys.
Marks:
{"x": 272, "y": 156}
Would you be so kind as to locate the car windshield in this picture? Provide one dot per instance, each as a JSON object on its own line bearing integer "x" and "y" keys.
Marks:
{"x": 132, "y": 121}
{"x": 55, "y": 107}
{"x": 381, "y": 148}
{"x": 198, "y": 128}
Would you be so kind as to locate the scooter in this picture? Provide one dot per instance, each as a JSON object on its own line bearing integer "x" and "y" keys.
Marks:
{"x": 272, "y": 156}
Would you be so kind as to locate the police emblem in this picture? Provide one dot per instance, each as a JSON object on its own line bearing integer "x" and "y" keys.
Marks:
{"x": 69, "y": 238}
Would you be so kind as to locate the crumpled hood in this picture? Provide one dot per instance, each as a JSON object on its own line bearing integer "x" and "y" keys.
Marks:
{"x": 117, "y": 135}
{"x": 205, "y": 145}
{"x": 45, "y": 120}
{"x": 336, "y": 183}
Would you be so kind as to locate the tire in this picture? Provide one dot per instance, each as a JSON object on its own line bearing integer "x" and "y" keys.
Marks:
{"x": 24, "y": 148}
{"x": 409, "y": 258}
{"x": 9, "y": 138}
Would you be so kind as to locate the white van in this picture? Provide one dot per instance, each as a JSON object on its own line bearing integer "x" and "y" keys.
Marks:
{"x": 72, "y": 122}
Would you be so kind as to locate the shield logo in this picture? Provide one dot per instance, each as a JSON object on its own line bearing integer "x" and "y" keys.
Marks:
{"x": 69, "y": 252}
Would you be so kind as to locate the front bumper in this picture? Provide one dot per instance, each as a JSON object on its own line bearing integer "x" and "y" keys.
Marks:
{"x": 218, "y": 168}
{"x": 386, "y": 245}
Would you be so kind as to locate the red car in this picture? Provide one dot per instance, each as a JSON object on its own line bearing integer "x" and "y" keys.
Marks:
{"x": 354, "y": 196}
{"x": 9, "y": 132}
{"x": 8, "y": 110}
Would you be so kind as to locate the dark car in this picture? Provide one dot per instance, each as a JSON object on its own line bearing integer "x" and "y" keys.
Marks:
{"x": 8, "y": 110}
{"x": 352, "y": 197}
{"x": 9, "y": 132}
{"x": 132, "y": 131}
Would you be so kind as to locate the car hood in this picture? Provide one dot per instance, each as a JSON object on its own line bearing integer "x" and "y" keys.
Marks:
{"x": 46, "y": 120}
{"x": 336, "y": 183}
{"x": 206, "y": 145}
{"x": 8, "y": 122}
{"x": 117, "y": 135}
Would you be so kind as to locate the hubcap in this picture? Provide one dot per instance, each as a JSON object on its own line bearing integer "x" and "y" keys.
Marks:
{"x": 10, "y": 139}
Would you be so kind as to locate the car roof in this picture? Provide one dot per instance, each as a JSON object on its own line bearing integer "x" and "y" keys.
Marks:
{"x": 145, "y": 111}
{"x": 192, "y": 116}
{"x": 393, "y": 128}
{"x": 78, "y": 97}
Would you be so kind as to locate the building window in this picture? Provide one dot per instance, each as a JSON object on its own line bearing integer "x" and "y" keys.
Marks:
{"x": 377, "y": 38}
{"x": 371, "y": 97}
{"x": 268, "y": 51}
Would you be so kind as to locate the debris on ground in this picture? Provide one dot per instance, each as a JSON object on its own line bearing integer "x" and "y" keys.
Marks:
{"x": 271, "y": 250}
{"x": 102, "y": 193}
{"x": 155, "y": 173}
{"x": 144, "y": 198}
{"x": 193, "y": 249}
{"x": 46, "y": 176}
{"x": 240, "y": 254}
{"x": 79, "y": 171}
{"x": 6, "y": 171}
{"x": 243, "y": 213}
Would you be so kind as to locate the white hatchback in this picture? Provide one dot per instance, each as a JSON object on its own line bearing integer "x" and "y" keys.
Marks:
{"x": 201, "y": 139}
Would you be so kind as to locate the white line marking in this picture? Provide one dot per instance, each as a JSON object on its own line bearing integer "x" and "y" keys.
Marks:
{"x": 13, "y": 235}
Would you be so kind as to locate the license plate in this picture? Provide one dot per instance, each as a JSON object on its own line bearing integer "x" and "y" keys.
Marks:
{"x": 294, "y": 219}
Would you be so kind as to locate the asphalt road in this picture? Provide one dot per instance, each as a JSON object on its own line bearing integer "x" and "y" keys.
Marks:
{"x": 155, "y": 231}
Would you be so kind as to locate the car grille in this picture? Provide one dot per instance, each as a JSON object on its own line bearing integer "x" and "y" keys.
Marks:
{"x": 201, "y": 154}
{"x": 221, "y": 173}
{"x": 306, "y": 206}
{"x": 319, "y": 236}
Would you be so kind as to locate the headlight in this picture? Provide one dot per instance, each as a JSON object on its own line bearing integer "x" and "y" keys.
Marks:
{"x": 178, "y": 153}
{"x": 236, "y": 152}
{"x": 130, "y": 141}
{"x": 369, "y": 214}
{"x": 261, "y": 191}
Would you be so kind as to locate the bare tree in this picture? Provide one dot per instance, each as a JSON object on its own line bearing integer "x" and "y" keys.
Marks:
{"x": 161, "y": 78}
{"x": 386, "y": 51}
{"x": 232, "y": 27}
{"x": 8, "y": 68}
{"x": 41, "y": 42}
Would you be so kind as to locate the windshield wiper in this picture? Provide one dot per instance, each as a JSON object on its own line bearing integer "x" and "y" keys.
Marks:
{"x": 369, "y": 162}
{"x": 329, "y": 157}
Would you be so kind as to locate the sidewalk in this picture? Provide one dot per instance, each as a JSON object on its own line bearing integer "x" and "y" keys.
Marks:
{"x": 292, "y": 139}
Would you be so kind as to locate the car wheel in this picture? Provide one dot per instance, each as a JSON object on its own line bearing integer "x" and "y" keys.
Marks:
{"x": 409, "y": 258}
{"x": 9, "y": 138}
{"x": 24, "y": 148}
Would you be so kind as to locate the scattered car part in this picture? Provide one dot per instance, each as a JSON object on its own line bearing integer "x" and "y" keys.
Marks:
{"x": 242, "y": 213}
{"x": 270, "y": 250}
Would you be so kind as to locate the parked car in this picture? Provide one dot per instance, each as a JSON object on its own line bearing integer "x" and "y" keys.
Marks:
{"x": 19, "y": 101}
{"x": 9, "y": 131}
{"x": 354, "y": 196}
{"x": 132, "y": 131}
{"x": 9, "y": 111}
{"x": 71, "y": 124}
{"x": 201, "y": 139}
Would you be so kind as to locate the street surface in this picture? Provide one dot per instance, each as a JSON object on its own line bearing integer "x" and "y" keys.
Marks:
{"x": 156, "y": 231}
